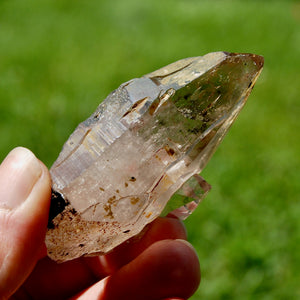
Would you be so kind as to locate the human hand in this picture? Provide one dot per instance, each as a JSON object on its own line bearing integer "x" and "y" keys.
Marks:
{"x": 158, "y": 264}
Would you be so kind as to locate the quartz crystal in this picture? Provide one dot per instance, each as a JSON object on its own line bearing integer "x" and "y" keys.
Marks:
{"x": 139, "y": 155}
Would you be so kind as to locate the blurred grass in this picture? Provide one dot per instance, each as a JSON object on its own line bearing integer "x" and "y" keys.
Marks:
{"x": 59, "y": 59}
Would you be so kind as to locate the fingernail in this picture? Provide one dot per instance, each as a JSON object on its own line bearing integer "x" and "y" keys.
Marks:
{"x": 19, "y": 172}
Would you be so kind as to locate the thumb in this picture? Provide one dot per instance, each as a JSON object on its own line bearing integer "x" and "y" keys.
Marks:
{"x": 24, "y": 204}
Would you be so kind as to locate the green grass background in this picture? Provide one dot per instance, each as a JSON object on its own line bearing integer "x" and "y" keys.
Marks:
{"x": 60, "y": 58}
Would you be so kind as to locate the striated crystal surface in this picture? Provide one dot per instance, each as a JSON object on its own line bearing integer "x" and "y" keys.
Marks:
{"x": 139, "y": 154}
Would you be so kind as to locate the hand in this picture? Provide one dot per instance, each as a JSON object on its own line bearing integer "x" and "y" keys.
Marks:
{"x": 158, "y": 264}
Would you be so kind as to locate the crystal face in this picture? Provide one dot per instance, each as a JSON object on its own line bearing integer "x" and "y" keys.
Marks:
{"x": 139, "y": 155}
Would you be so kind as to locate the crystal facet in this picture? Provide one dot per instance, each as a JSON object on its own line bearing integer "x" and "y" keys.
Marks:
{"x": 139, "y": 154}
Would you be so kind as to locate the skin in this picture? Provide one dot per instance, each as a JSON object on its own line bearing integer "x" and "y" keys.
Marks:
{"x": 157, "y": 264}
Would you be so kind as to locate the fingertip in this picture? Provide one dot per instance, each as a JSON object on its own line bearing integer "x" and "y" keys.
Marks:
{"x": 181, "y": 266}
{"x": 168, "y": 268}
{"x": 19, "y": 172}
{"x": 25, "y": 197}
{"x": 160, "y": 229}
{"x": 32, "y": 215}
{"x": 187, "y": 250}
{"x": 168, "y": 227}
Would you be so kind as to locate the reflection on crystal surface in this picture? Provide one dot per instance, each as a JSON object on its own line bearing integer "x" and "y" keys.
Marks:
{"x": 187, "y": 198}
{"x": 147, "y": 140}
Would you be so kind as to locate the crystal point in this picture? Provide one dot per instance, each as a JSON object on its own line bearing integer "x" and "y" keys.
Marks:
{"x": 139, "y": 154}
